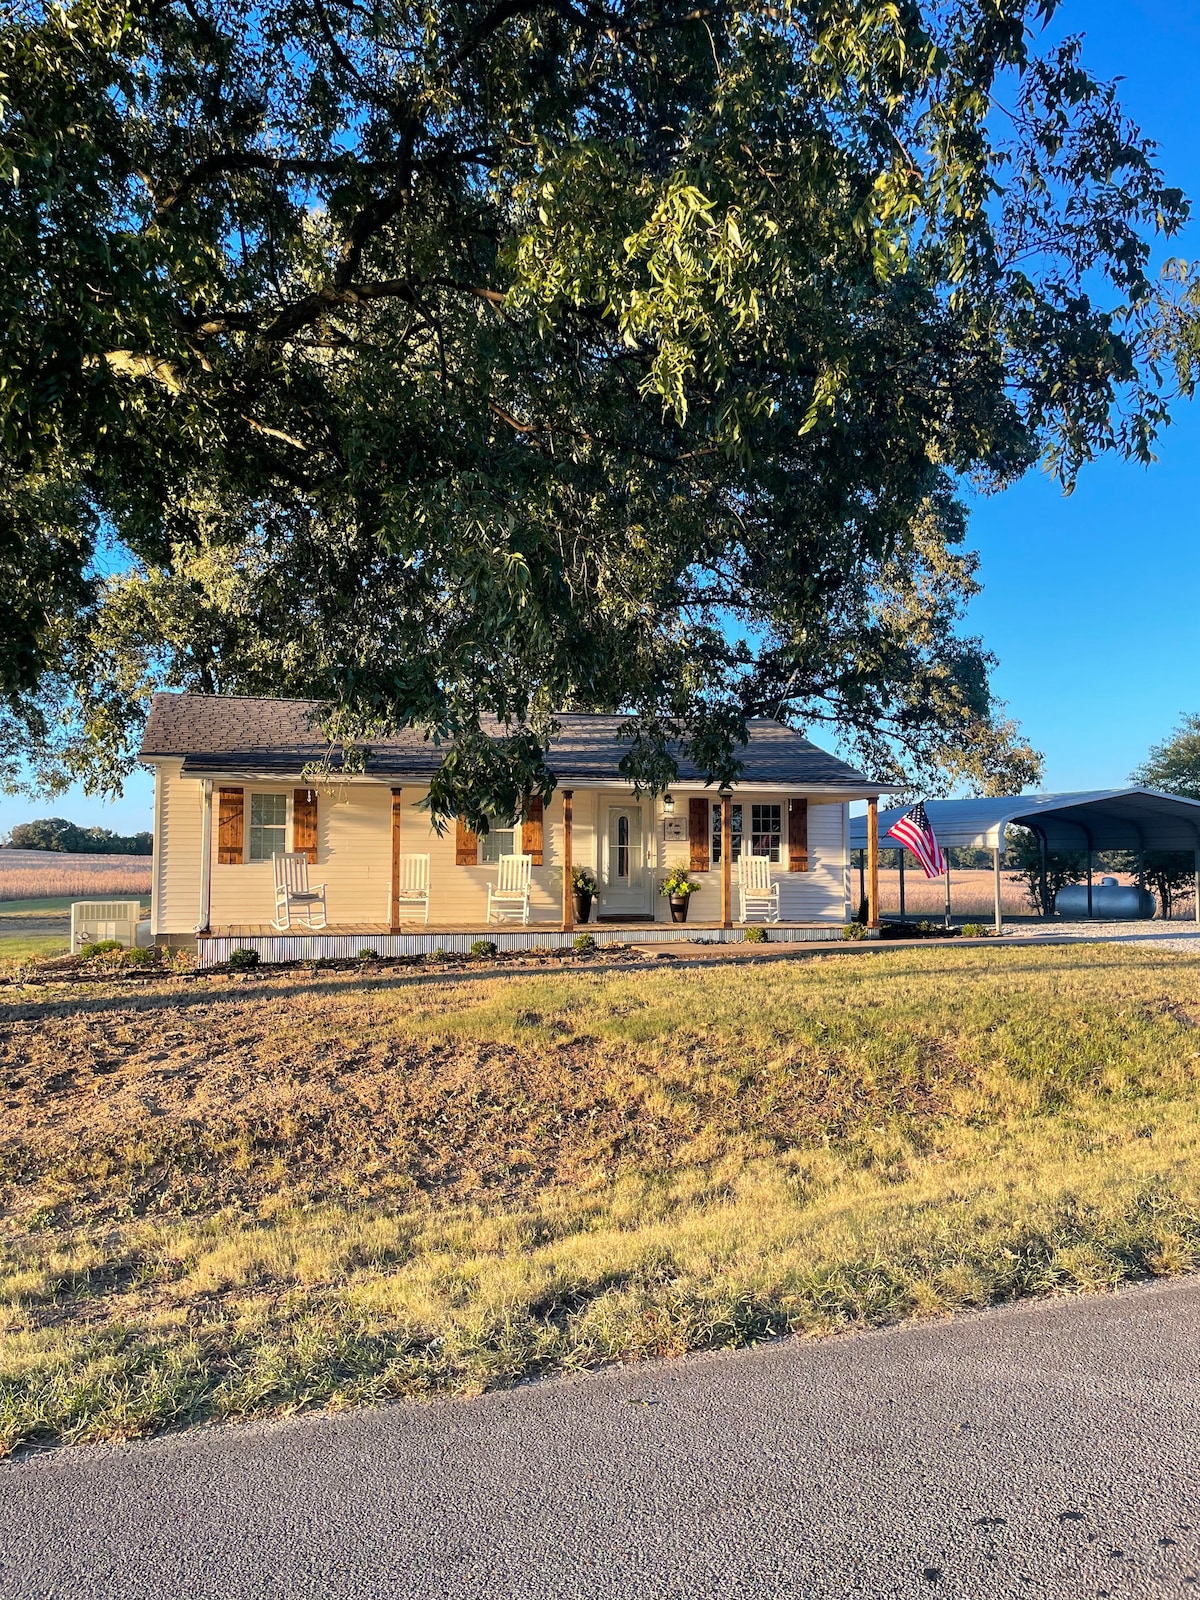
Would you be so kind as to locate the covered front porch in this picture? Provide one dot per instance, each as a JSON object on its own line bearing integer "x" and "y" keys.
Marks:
{"x": 361, "y": 847}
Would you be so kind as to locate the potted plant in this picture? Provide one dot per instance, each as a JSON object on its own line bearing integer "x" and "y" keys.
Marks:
{"x": 583, "y": 890}
{"x": 678, "y": 888}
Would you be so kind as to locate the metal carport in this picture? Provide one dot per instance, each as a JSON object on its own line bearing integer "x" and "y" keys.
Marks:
{"x": 1135, "y": 819}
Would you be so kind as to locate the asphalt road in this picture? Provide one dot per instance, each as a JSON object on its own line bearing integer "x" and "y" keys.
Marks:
{"x": 1045, "y": 1450}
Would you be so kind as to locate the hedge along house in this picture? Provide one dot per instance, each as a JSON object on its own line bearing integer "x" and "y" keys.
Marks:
{"x": 232, "y": 795}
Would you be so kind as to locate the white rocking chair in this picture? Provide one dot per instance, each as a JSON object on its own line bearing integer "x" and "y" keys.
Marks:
{"x": 511, "y": 893}
{"x": 292, "y": 888}
{"x": 759, "y": 894}
{"x": 414, "y": 883}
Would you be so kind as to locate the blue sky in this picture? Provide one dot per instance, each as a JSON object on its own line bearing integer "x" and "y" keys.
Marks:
{"x": 1088, "y": 601}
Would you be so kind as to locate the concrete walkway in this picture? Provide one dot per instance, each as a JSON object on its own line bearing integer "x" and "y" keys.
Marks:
{"x": 1044, "y": 1450}
{"x": 1171, "y": 935}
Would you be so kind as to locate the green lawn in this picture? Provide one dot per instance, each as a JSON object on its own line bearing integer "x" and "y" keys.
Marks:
{"x": 228, "y": 1198}
{"x": 16, "y": 947}
{"x": 29, "y": 908}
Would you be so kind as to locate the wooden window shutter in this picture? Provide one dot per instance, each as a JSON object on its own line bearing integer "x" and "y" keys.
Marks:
{"x": 533, "y": 831}
{"x": 797, "y": 835}
{"x": 699, "y": 832}
{"x": 231, "y": 831}
{"x": 304, "y": 823}
{"x": 466, "y": 845}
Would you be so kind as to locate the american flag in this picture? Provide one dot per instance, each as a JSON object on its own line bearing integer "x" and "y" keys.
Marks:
{"x": 915, "y": 831}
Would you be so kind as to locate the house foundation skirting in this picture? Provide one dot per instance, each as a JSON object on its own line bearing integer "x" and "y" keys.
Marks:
{"x": 214, "y": 949}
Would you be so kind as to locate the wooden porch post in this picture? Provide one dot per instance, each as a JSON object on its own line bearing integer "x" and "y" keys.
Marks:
{"x": 568, "y": 900}
{"x": 394, "y": 907}
{"x": 873, "y": 865}
{"x": 206, "y": 851}
{"x": 727, "y": 859}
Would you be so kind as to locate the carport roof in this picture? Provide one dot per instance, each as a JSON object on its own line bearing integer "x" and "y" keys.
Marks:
{"x": 1106, "y": 819}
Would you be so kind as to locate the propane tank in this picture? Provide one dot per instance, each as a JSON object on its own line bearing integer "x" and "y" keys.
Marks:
{"x": 1115, "y": 902}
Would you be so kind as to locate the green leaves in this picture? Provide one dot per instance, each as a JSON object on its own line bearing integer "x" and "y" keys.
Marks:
{"x": 461, "y": 361}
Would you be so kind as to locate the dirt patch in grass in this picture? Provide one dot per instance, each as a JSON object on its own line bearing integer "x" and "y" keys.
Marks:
{"x": 231, "y": 1196}
{"x": 190, "y": 1099}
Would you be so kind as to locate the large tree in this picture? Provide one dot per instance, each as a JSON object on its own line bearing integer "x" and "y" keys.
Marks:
{"x": 1174, "y": 765}
{"x": 487, "y": 357}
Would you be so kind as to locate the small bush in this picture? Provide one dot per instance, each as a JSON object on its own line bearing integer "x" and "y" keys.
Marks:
{"x": 484, "y": 947}
{"x": 754, "y": 936}
{"x": 975, "y": 930}
{"x": 585, "y": 945}
{"x": 102, "y": 947}
{"x": 436, "y": 955}
{"x": 854, "y": 930}
{"x": 368, "y": 955}
{"x": 242, "y": 959}
{"x": 139, "y": 957}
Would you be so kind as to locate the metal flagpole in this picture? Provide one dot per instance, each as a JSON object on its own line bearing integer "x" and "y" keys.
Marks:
{"x": 996, "y": 886}
{"x": 947, "y": 891}
{"x": 900, "y": 852}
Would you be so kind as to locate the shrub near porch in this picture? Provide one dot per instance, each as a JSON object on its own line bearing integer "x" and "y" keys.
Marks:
{"x": 230, "y": 1197}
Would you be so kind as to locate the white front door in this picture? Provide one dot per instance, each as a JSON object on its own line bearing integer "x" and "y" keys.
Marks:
{"x": 626, "y": 885}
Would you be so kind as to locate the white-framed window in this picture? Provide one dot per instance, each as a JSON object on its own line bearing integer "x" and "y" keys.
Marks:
{"x": 735, "y": 831}
{"x": 268, "y": 826}
{"x": 766, "y": 831}
{"x": 498, "y": 841}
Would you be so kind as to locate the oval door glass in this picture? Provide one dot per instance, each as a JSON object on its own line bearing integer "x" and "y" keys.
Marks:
{"x": 623, "y": 849}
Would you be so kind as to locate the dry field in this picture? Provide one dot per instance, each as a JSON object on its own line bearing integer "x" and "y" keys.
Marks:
{"x": 43, "y": 874}
{"x": 971, "y": 894}
{"x": 224, "y": 1196}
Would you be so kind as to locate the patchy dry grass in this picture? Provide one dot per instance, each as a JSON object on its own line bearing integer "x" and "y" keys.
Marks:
{"x": 226, "y": 1197}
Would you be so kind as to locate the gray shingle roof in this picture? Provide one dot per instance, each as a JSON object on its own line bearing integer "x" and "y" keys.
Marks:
{"x": 228, "y": 733}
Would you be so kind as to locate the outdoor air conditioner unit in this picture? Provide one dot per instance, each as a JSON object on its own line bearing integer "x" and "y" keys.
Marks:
{"x": 94, "y": 920}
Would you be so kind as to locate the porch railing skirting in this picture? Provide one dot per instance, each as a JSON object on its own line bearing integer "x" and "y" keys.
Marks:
{"x": 213, "y": 949}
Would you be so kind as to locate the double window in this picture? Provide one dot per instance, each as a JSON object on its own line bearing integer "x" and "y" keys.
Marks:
{"x": 766, "y": 831}
{"x": 268, "y": 826}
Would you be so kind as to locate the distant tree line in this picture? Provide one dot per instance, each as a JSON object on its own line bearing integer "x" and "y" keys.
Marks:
{"x": 56, "y": 833}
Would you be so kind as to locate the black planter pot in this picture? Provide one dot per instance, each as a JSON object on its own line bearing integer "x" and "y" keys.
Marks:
{"x": 583, "y": 906}
{"x": 679, "y": 905}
